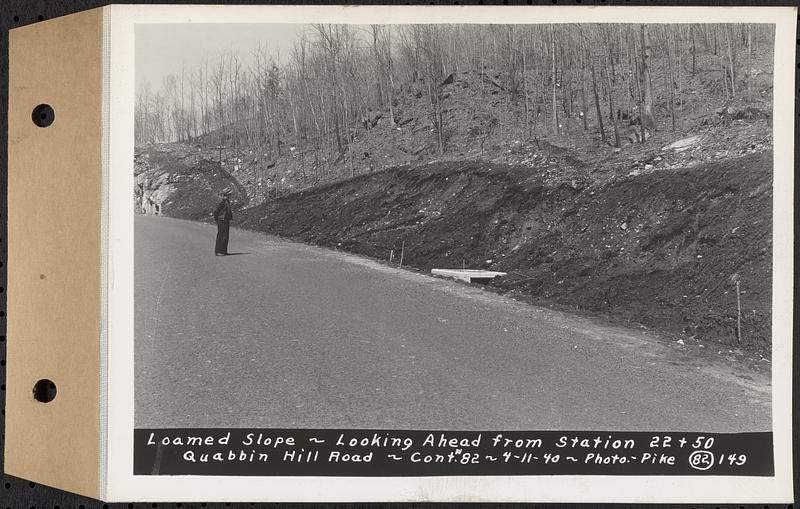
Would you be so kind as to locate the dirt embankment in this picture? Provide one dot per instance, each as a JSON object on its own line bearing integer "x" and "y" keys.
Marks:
{"x": 662, "y": 249}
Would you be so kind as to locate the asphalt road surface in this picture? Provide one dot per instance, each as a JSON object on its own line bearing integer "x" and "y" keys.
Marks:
{"x": 287, "y": 335}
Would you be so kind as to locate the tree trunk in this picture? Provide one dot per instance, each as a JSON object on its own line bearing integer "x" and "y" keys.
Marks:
{"x": 297, "y": 140}
{"x": 512, "y": 85}
{"x": 390, "y": 71}
{"x": 585, "y": 112}
{"x": 630, "y": 76}
{"x": 553, "y": 75}
{"x": 639, "y": 88}
{"x": 724, "y": 75}
{"x": 611, "y": 114}
{"x": 596, "y": 96}
{"x": 749, "y": 61}
{"x": 182, "y": 128}
{"x": 310, "y": 100}
{"x": 647, "y": 118}
{"x": 716, "y": 49}
{"x": 731, "y": 59}
{"x": 391, "y": 98}
{"x": 325, "y": 124}
{"x": 671, "y": 78}
{"x": 610, "y": 52}
{"x": 679, "y": 54}
{"x": 192, "y": 117}
{"x": 378, "y": 66}
{"x": 525, "y": 88}
{"x": 566, "y": 91}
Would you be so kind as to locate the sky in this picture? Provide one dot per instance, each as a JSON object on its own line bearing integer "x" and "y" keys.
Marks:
{"x": 161, "y": 49}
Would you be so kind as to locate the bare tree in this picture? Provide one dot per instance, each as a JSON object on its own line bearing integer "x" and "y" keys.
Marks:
{"x": 611, "y": 112}
{"x": 646, "y": 115}
{"x": 553, "y": 78}
{"x": 590, "y": 58}
{"x": 338, "y": 80}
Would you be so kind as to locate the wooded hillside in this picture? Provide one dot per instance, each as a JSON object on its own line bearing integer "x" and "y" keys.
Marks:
{"x": 464, "y": 84}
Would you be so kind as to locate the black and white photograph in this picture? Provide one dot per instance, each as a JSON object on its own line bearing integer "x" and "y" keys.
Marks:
{"x": 452, "y": 226}
{"x": 380, "y": 247}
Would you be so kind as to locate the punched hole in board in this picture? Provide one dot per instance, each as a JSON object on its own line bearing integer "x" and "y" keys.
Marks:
{"x": 44, "y": 391}
{"x": 43, "y": 115}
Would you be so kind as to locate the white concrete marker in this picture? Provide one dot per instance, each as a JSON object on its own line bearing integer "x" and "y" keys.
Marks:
{"x": 468, "y": 275}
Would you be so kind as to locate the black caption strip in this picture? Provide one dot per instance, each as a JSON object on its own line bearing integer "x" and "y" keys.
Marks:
{"x": 372, "y": 453}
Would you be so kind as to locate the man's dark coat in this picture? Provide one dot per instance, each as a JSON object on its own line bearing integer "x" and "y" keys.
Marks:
{"x": 223, "y": 215}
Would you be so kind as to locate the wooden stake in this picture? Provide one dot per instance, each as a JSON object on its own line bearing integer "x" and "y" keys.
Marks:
{"x": 402, "y": 252}
{"x": 739, "y": 316}
{"x": 736, "y": 280}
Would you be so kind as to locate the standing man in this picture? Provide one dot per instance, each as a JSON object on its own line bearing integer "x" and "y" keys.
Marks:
{"x": 222, "y": 216}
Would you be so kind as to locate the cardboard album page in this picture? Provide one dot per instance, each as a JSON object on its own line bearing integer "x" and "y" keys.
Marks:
{"x": 54, "y": 252}
{"x": 311, "y": 253}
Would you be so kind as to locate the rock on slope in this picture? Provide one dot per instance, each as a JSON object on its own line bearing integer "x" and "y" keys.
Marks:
{"x": 182, "y": 182}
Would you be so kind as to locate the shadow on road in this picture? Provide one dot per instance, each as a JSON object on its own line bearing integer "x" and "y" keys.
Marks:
{"x": 236, "y": 254}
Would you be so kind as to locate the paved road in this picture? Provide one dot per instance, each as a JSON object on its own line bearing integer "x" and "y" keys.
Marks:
{"x": 289, "y": 335}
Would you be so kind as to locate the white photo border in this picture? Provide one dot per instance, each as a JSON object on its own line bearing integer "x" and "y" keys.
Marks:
{"x": 120, "y": 483}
